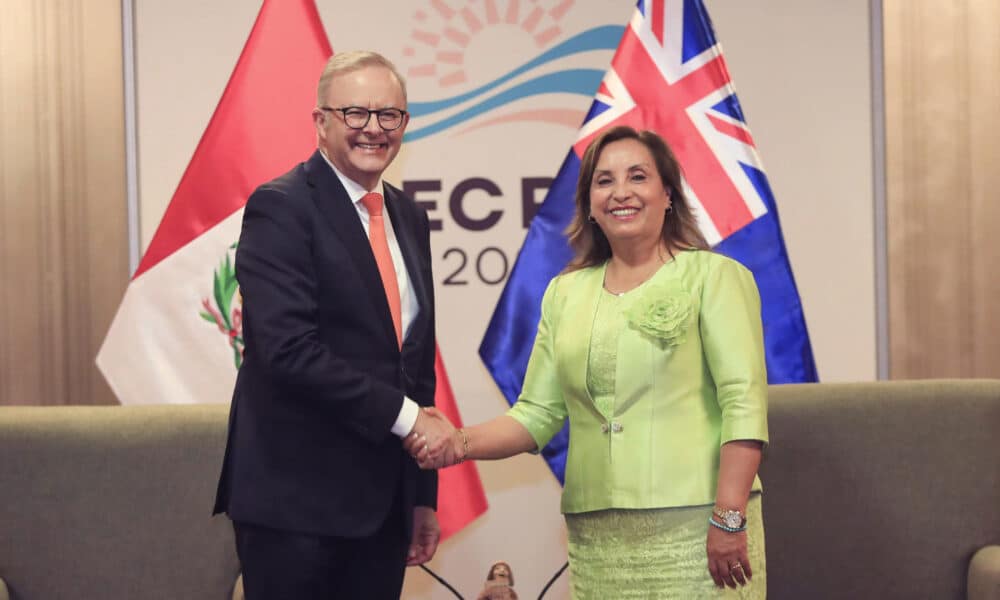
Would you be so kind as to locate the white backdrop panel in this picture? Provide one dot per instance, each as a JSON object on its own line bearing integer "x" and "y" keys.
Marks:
{"x": 801, "y": 68}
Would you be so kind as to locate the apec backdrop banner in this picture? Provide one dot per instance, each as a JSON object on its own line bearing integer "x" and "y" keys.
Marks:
{"x": 497, "y": 92}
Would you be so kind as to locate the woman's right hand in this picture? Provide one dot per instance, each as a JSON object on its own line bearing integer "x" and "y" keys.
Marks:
{"x": 728, "y": 562}
{"x": 437, "y": 453}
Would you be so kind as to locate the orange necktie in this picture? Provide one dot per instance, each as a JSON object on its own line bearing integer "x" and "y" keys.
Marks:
{"x": 383, "y": 258}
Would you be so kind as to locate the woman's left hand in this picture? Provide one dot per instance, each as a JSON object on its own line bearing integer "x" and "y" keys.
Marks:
{"x": 727, "y": 557}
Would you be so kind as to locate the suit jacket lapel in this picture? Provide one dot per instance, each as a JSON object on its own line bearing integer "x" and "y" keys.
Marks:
{"x": 410, "y": 248}
{"x": 334, "y": 204}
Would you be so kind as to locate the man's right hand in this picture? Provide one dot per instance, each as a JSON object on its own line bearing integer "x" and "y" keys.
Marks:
{"x": 431, "y": 436}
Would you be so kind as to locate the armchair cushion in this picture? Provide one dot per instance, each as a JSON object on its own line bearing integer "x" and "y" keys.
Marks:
{"x": 880, "y": 490}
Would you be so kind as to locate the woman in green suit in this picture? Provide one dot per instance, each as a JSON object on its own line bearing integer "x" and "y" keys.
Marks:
{"x": 651, "y": 345}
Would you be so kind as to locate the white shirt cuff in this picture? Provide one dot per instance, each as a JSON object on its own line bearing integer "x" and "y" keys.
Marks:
{"x": 407, "y": 417}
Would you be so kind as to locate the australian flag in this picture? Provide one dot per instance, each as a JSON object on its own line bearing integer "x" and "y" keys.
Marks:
{"x": 668, "y": 75}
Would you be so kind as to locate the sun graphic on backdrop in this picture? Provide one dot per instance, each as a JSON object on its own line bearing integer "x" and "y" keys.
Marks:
{"x": 443, "y": 31}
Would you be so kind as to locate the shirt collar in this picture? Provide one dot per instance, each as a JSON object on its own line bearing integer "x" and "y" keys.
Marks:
{"x": 354, "y": 190}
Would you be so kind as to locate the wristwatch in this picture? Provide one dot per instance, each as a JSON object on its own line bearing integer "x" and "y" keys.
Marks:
{"x": 730, "y": 517}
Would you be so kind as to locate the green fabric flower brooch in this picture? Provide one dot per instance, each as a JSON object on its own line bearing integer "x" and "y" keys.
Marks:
{"x": 663, "y": 314}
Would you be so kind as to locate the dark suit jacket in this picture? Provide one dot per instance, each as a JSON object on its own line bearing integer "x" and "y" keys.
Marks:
{"x": 310, "y": 448}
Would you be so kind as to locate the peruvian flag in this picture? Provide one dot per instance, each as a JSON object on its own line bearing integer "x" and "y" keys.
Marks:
{"x": 177, "y": 335}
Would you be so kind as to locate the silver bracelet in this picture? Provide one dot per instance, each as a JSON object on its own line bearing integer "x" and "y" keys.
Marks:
{"x": 726, "y": 528}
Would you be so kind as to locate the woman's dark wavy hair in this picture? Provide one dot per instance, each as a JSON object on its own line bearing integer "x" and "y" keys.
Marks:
{"x": 680, "y": 230}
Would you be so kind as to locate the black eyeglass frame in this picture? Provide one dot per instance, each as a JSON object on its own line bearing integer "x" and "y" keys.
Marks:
{"x": 377, "y": 112}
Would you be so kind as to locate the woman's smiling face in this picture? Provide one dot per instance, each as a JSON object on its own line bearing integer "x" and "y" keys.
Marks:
{"x": 627, "y": 196}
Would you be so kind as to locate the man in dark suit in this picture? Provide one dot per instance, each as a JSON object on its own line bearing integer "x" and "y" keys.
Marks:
{"x": 334, "y": 267}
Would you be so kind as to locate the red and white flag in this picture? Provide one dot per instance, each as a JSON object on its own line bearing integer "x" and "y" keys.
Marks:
{"x": 177, "y": 336}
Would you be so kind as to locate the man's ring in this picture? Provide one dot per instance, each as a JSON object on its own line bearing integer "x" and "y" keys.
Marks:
{"x": 735, "y": 566}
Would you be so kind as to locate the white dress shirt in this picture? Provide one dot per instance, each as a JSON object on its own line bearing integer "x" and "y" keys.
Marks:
{"x": 409, "y": 307}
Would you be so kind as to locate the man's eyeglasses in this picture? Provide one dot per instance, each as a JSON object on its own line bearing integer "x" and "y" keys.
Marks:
{"x": 357, "y": 117}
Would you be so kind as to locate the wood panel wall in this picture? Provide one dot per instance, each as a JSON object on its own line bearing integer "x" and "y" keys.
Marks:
{"x": 63, "y": 230}
{"x": 942, "y": 94}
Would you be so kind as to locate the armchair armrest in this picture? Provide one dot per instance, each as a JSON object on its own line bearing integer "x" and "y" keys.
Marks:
{"x": 984, "y": 574}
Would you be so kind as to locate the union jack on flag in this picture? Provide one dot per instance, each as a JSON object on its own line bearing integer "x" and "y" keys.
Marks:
{"x": 668, "y": 75}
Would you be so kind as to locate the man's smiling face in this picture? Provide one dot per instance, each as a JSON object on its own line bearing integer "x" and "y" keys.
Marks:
{"x": 361, "y": 154}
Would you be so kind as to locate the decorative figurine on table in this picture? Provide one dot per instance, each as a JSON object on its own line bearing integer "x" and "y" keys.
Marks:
{"x": 499, "y": 583}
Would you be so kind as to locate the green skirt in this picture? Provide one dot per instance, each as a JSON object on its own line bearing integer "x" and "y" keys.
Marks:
{"x": 656, "y": 553}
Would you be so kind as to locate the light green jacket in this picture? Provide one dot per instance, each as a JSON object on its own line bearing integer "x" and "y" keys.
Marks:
{"x": 690, "y": 376}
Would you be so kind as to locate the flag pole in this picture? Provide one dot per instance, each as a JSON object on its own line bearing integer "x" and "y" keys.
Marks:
{"x": 131, "y": 139}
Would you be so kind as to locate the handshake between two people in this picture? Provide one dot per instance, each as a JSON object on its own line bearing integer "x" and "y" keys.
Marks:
{"x": 434, "y": 442}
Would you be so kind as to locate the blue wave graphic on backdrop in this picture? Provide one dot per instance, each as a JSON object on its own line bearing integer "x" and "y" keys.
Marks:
{"x": 574, "y": 81}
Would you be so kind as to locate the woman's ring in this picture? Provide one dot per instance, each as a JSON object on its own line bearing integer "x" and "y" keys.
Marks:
{"x": 735, "y": 566}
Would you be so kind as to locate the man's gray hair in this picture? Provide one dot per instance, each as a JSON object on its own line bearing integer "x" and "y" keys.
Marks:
{"x": 345, "y": 62}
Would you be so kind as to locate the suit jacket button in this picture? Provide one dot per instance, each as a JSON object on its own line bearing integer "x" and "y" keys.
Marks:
{"x": 604, "y": 427}
{"x": 617, "y": 427}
